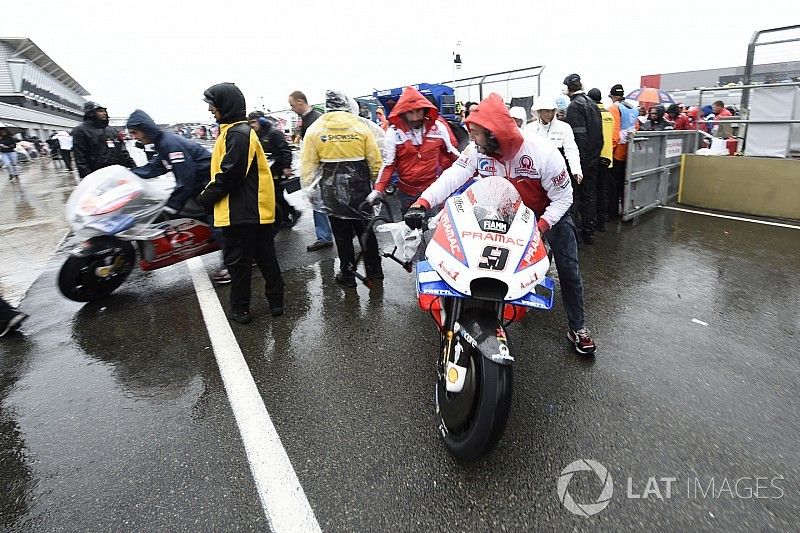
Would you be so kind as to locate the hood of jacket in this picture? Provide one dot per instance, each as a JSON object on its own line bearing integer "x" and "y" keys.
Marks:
{"x": 492, "y": 114}
{"x": 139, "y": 120}
{"x": 519, "y": 113}
{"x": 228, "y": 100}
{"x": 90, "y": 115}
{"x": 410, "y": 100}
{"x": 336, "y": 101}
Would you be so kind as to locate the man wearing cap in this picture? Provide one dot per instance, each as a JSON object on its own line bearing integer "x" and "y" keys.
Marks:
{"x": 539, "y": 174}
{"x": 558, "y": 131}
{"x": 241, "y": 194}
{"x": 587, "y": 125}
{"x": 418, "y": 146}
{"x": 626, "y": 119}
{"x": 95, "y": 144}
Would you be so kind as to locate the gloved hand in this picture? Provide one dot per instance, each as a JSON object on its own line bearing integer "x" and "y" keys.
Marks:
{"x": 415, "y": 217}
{"x": 543, "y": 225}
{"x": 374, "y": 197}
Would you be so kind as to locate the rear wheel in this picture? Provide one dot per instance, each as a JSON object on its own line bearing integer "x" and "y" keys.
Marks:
{"x": 98, "y": 271}
{"x": 472, "y": 421}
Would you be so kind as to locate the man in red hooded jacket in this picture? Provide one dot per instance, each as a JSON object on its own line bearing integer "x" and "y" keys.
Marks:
{"x": 418, "y": 146}
{"x": 537, "y": 170}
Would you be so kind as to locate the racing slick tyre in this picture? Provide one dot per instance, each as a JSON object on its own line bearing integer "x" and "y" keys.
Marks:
{"x": 472, "y": 421}
{"x": 99, "y": 269}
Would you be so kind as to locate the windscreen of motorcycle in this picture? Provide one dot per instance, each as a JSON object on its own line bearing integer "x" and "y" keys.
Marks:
{"x": 112, "y": 190}
{"x": 495, "y": 203}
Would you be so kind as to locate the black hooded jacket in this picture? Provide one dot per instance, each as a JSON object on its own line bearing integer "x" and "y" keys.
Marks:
{"x": 660, "y": 124}
{"x": 584, "y": 117}
{"x": 188, "y": 161}
{"x": 275, "y": 145}
{"x": 96, "y": 145}
{"x": 245, "y": 181}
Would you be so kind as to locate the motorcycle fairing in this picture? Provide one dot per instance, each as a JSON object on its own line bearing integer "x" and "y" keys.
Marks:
{"x": 430, "y": 282}
{"x": 516, "y": 256}
{"x": 113, "y": 224}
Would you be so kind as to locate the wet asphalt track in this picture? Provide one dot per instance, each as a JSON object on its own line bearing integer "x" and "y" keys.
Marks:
{"x": 113, "y": 415}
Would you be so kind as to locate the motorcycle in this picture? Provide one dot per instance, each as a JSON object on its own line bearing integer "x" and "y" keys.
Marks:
{"x": 113, "y": 213}
{"x": 483, "y": 267}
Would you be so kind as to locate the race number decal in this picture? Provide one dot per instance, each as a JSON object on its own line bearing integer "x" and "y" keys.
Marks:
{"x": 493, "y": 258}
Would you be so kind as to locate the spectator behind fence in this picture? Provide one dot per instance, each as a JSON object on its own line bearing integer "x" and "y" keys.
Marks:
{"x": 679, "y": 120}
{"x": 655, "y": 120}
{"x": 721, "y": 114}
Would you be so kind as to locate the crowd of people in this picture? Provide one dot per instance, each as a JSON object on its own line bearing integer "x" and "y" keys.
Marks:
{"x": 567, "y": 162}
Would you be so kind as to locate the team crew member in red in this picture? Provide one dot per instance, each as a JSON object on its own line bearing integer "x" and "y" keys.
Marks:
{"x": 418, "y": 146}
{"x": 539, "y": 173}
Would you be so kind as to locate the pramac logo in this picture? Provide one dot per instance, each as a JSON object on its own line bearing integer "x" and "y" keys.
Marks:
{"x": 526, "y": 167}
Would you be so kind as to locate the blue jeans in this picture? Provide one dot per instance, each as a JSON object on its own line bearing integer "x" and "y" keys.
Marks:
{"x": 561, "y": 239}
{"x": 10, "y": 162}
{"x": 323, "y": 227}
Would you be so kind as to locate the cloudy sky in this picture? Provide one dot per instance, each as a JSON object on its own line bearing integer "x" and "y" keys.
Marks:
{"x": 161, "y": 56}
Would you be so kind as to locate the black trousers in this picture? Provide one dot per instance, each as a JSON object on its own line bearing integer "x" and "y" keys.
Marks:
{"x": 584, "y": 198}
{"x": 615, "y": 199}
{"x": 243, "y": 244}
{"x": 604, "y": 189}
{"x": 343, "y": 231}
{"x": 285, "y": 207}
{"x": 6, "y": 311}
{"x": 66, "y": 155}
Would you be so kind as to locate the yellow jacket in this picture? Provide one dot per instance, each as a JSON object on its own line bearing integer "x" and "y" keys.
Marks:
{"x": 335, "y": 137}
{"x": 608, "y": 134}
{"x": 241, "y": 187}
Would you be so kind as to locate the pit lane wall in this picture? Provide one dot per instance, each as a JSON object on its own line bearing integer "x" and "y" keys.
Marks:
{"x": 760, "y": 186}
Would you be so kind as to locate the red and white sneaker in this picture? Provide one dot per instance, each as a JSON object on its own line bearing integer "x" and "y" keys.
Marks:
{"x": 582, "y": 342}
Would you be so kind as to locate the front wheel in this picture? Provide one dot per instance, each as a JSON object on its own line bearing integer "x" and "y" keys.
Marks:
{"x": 99, "y": 270}
{"x": 472, "y": 421}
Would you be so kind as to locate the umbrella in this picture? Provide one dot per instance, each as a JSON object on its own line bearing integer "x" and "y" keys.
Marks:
{"x": 12, "y": 128}
{"x": 650, "y": 95}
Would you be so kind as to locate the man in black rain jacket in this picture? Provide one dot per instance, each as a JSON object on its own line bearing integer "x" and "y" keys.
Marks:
{"x": 188, "y": 161}
{"x": 586, "y": 121}
{"x": 95, "y": 143}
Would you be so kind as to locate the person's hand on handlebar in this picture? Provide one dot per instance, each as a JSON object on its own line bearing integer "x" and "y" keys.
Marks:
{"x": 415, "y": 216}
{"x": 374, "y": 197}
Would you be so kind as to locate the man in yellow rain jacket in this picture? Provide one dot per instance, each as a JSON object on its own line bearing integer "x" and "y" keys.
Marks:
{"x": 604, "y": 185}
{"x": 242, "y": 196}
{"x": 341, "y": 157}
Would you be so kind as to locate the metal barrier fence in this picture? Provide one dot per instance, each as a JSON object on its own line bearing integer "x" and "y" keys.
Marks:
{"x": 524, "y": 82}
{"x": 652, "y": 174}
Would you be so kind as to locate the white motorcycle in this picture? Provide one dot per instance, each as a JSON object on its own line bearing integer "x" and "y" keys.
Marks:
{"x": 484, "y": 266}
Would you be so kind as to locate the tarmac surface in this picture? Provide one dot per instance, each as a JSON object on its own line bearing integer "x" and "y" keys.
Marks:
{"x": 113, "y": 415}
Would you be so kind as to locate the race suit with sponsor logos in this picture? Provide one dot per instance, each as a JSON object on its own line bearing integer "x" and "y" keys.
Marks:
{"x": 417, "y": 155}
{"x": 537, "y": 171}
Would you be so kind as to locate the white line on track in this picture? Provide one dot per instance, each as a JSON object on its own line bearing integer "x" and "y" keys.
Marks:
{"x": 729, "y": 217}
{"x": 282, "y": 497}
